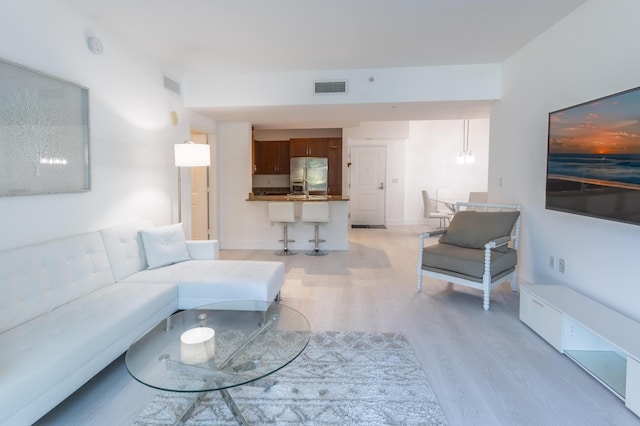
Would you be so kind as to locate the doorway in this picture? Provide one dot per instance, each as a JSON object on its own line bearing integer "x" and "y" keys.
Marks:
{"x": 368, "y": 185}
{"x": 199, "y": 195}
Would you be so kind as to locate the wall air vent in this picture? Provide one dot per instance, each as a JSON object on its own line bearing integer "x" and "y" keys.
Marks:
{"x": 330, "y": 87}
{"x": 172, "y": 85}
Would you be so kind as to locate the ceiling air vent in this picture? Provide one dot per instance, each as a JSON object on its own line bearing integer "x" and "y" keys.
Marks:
{"x": 329, "y": 87}
{"x": 172, "y": 85}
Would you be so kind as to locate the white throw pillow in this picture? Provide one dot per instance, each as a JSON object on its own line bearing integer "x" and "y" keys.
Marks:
{"x": 164, "y": 245}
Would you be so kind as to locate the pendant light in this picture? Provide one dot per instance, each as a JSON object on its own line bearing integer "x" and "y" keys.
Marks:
{"x": 465, "y": 156}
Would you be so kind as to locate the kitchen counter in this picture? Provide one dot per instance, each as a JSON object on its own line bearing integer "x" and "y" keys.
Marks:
{"x": 263, "y": 234}
{"x": 297, "y": 198}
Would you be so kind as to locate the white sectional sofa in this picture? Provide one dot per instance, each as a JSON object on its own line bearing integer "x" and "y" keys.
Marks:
{"x": 70, "y": 307}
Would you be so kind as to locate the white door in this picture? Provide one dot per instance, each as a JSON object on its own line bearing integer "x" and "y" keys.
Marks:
{"x": 368, "y": 187}
{"x": 199, "y": 197}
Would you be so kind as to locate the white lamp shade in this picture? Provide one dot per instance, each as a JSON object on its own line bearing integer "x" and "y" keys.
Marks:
{"x": 191, "y": 154}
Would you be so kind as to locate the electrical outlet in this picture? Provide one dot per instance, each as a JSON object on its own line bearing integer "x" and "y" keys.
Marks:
{"x": 561, "y": 265}
{"x": 552, "y": 262}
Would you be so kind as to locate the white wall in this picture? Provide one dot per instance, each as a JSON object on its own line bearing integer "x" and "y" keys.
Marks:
{"x": 431, "y": 163}
{"x": 131, "y": 136}
{"x": 422, "y": 155}
{"x": 236, "y": 217}
{"x": 591, "y": 53}
{"x": 286, "y": 134}
{"x": 411, "y": 84}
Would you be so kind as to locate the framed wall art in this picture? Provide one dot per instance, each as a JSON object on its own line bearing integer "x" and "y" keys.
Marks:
{"x": 44, "y": 133}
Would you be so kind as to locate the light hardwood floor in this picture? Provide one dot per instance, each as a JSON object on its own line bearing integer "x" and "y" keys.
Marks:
{"x": 486, "y": 368}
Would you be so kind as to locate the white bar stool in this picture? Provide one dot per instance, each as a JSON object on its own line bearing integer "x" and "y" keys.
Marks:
{"x": 316, "y": 213}
{"x": 283, "y": 213}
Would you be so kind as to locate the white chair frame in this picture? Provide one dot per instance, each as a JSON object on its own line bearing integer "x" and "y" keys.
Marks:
{"x": 431, "y": 210}
{"x": 487, "y": 284}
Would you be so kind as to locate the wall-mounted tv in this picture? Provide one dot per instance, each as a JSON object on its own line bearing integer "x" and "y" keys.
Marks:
{"x": 593, "y": 158}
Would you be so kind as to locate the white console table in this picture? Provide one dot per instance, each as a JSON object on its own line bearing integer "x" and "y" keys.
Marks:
{"x": 602, "y": 341}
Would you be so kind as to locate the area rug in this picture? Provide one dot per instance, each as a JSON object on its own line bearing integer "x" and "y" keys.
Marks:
{"x": 341, "y": 378}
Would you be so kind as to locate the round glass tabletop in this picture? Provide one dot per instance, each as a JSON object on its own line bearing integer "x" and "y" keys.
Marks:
{"x": 218, "y": 346}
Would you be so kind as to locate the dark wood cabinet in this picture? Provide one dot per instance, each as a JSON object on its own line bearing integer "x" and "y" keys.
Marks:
{"x": 334, "y": 147}
{"x": 308, "y": 147}
{"x": 272, "y": 157}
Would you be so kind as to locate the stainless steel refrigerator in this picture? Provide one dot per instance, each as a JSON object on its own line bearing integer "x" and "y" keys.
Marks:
{"x": 308, "y": 175}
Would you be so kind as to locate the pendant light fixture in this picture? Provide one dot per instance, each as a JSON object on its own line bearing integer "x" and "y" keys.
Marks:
{"x": 465, "y": 156}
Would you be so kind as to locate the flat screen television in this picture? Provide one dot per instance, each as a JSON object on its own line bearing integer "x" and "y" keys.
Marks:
{"x": 593, "y": 158}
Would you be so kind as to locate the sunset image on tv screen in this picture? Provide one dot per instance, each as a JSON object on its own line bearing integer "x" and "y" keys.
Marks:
{"x": 597, "y": 142}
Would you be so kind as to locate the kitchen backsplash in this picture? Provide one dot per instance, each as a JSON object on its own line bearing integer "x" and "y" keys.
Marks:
{"x": 271, "y": 190}
{"x": 270, "y": 181}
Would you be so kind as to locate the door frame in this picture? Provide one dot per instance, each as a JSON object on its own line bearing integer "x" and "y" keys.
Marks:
{"x": 201, "y": 186}
{"x": 212, "y": 182}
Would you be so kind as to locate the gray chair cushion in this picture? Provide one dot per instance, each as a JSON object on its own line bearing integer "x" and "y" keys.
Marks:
{"x": 466, "y": 262}
{"x": 473, "y": 229}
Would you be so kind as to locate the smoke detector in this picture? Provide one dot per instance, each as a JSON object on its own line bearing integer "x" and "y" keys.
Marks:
{"x": 95, "y": 45}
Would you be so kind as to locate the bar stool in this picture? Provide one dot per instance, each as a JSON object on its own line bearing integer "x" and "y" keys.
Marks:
{"x": 283, "y": 213}
{"x": 316, "y": 213}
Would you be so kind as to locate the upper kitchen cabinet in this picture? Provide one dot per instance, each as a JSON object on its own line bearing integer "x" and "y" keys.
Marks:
{"x": 309, "y": 147}
{"x": 272, "y": 157}
{"x": 334, "y": 146}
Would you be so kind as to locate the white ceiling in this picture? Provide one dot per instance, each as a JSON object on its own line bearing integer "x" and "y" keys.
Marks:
{"x": 228, "y": 36}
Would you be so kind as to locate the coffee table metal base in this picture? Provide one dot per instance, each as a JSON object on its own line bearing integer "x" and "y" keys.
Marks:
{"x": 235, "y": 410}
{"x": 226, "y": 397}
{"x": 237, "y": 414}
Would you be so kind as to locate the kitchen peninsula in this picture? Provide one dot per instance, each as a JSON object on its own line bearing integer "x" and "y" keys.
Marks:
{"x": 294, "y": 165}
{"x": 336, "y": 232}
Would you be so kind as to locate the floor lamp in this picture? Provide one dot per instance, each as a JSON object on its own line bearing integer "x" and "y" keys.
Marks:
{"x": 189, "y": 154}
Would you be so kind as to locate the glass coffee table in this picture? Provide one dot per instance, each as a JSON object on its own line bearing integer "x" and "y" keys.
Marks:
{"x": 217, "y": 347}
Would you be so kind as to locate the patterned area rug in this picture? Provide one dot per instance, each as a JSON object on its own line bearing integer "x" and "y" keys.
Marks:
{"x": 341, "y": 378}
